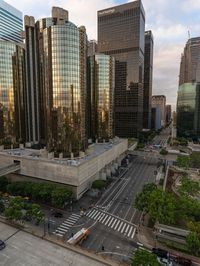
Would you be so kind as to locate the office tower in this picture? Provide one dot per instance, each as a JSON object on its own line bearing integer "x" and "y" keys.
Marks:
{"x": 160, "y": 101}
{"x": 57, "y": 64}
{"x": 121, "y": 34}
{"x": 190, "y": 62}
{"x": 148, "y": 76}
{"x": 32, "y": 82}
{"x": 92, "y": 47}
{"x": 11, "y": 23}
{"x": 101, "y": 84}
{"x": 12, "y": 85}
{"x": 188, "y": 101}
{"x": 155, "y": 118}
{"x": 188, "y": 110}
{"x": 168, "y": 113}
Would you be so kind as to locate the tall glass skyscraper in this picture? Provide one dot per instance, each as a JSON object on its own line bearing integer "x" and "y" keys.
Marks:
{"x": 101, "y": 85}
{"x": 188, "y": 101}
{"x": 11, "y": 23}
{"x": 148, "y": 76}
{"x": 188, "y": 110}
{"x": 56, "y": 76}
{"x": 121, "y": 32}
{"x": 12, "y": 85}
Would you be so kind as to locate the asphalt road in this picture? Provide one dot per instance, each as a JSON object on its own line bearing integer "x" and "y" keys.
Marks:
{"x": 114, "y": 220}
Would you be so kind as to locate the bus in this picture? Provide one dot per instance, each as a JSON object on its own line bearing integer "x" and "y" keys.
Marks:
{"x": 79, "y": 237}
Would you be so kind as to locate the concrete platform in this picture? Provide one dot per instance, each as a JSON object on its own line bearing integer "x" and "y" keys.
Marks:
{"x": 23, "y": 249}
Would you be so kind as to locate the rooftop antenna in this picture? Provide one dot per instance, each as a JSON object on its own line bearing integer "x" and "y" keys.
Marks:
{"x": 188, "y": 34}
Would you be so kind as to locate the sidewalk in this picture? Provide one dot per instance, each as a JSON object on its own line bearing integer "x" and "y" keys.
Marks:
{"x": 146, "y": 236}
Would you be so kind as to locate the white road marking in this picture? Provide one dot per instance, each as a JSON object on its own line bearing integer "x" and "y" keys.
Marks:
{"x": 127, "y": 228}
{"x": 105, "y": 218}
{"x": 120, "y": 226}
{"x": 108, "y": 220}
{"x": 129, "y": 233}
{"x": 122, "y": 231}
{"x": 101, "y": 218}
{"x": 117, "y": 224}
{"x": 91, "y": 214}
{"x": 114, "y": 223}
{"x": 133, "y": 233}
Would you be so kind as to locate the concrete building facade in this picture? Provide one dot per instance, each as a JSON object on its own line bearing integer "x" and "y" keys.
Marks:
{"x": 100, "y": 161}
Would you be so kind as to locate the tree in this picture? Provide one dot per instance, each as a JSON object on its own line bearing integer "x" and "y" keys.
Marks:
{"x": 99, "y": 184}
{"x": 161, "y": 207}
{"x": 60, "y": 196}
{"x": 189, "y": 187}
{"x": 183, "y": 161}
{"x": 36, "y": 213}
{"x": 15, "y": 209}
{"x": 163, "y": 152}
{"x": 142, "y": 199}
{"x": 193, "y": 243}
{"x": 3, "y": 184}
{"x": 195, "y": 159}
{"x": 144, "y": 258}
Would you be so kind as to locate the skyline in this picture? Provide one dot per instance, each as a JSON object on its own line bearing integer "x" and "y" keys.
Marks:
{"x": 169, "y": 25}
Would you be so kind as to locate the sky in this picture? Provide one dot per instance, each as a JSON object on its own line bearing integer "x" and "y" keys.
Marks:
{"x": 171, "y": 22}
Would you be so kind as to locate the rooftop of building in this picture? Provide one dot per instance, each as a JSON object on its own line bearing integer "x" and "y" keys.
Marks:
{"x": 11, "y": 9}
{"x": 94, "y": 150}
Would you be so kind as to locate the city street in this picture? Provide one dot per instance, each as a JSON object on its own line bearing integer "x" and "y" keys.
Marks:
{"x": 113, "y": 221}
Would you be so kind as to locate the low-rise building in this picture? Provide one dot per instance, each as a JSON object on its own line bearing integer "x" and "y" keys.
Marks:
{"x": 99, "y": 162}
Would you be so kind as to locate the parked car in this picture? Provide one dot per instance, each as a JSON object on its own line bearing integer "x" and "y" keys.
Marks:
{"x": 2, "y": 245}
{"x": 160, "y": 252}
{"x": 58, "y": 214}
{"x": 183, "y": 261}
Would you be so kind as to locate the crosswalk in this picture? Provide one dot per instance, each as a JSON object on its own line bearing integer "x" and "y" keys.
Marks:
{"x": 65, "y": 226}
{"x": 113, "y": 222}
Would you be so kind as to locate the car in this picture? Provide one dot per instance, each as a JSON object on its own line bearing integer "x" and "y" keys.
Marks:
{"x": 160, "y": 252}
{"x": 2, "y": 244}
{"x": 58, "y": 214}
{"x": 183, "y": 261}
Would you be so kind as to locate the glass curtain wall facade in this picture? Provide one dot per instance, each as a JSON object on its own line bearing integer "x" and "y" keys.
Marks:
{"x": 11, "y": 23}
{"x": 60, "y": 52}
{"x": 101, "y": 86}
{"x": 148, "y": 76}
{"x": 65, "y": 93}
{"x": 188, "y": 110}
{"x": 12, "y": 85}
{"x": 121, "y": 34}
{"x": 190, "y": 62}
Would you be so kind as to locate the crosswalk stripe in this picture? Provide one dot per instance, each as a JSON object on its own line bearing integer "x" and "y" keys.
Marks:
{"x": 68, "y": 223}
{"x": 101, "y": 217}
{"x": 129, "y": 233}
{"x": 62, "y": 229}
{"x": 120, "y": 226}
{"x": 122, "y": 231}
{"x": 57, "y": 234}
{"x": 63, "y": 226}
{"x": 117, "y": 225}
{"x": 133, "y": 233}
{"x": 96, "y": 215}
{"x": 91, "y": 214}
{"x": 76, "y": 215}
{"x": 110, "y": 221}
{"x": 127, "y": 228}
{"x": 105, "y": 218}
{"x": 109, "y": 217}
{"x": 114, "y": 223}
{"x": 73, "y": 219}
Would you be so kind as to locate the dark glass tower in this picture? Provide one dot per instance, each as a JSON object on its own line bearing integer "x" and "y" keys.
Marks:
{"x": 12, "y": 100}
{"x": 121, "y": 34}
{"x": 101, "y": 85}
{"x": 148, "y": 75}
